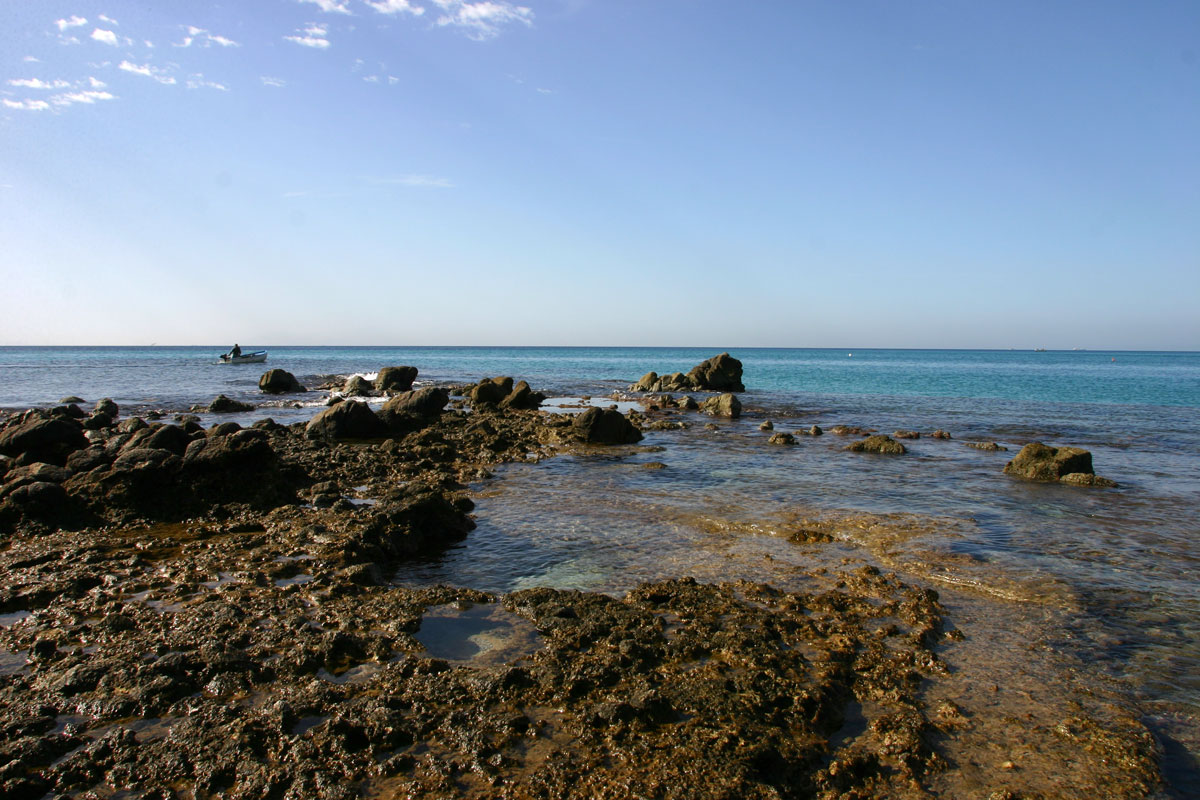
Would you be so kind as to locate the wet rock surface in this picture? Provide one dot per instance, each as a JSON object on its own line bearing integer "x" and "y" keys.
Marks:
{"x": 198, "y": 613}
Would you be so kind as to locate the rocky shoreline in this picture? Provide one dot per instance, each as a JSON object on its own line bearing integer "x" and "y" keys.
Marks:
{"x": 193, "y": 612}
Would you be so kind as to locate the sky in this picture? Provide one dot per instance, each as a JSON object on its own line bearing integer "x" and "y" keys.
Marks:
{"x": 809, "y": 173}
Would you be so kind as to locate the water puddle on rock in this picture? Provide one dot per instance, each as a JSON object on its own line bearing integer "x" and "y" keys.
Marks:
{"x": 293, "y": 581}
{"x": 12, "y": 663}
{"x": 8, "y": 620}
{"x": 483, "y": 635}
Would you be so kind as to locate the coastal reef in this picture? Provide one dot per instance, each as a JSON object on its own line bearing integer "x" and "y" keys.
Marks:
{"x": 200, "y": 612}
{"x": 721, "y": 373}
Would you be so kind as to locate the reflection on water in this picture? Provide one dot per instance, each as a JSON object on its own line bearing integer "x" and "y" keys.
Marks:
{"x": 1104, "y": 578}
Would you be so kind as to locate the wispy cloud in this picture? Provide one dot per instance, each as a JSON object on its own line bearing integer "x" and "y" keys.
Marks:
{"x": 157, "y": 73}
{"x": 109, "y": 20}
{"x": 274, "y": 83}
{"x": 312, "y": 36}
{"x": 482, "y": 20}
{"x": 27, "y": 105}
{"x": 32, "y": 60}
{"x": 72, "y": 22}
{"x": 62, "y": 100}
{"x": 415, "y": 181}
{"x": 38, "y": 83}
{"x": 202, "y": 38}
{"x": 330, "y": 6}
{"x": 96, "y": 83}
{"x": 395, "y": 7}
{"x": 199, "y": 82}
{"x": 107, "y": 37}
{"x": 88, "y": 97}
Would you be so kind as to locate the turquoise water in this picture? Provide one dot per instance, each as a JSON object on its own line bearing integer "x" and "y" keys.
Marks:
{"x": 171, "y": 375}
{"x": 1105, "y": 578}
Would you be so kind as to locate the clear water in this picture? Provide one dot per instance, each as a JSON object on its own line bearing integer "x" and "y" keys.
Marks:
{"x": 1106, "y": 578}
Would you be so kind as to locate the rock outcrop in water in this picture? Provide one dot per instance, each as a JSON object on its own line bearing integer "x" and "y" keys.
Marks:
{"x": 1040, "y": 462}
{"x": 605, "y": 426}
{"x": 721, "y": 373}
{"x": 877, "y": 444}
{"x": 393, "y": 380}
{"x": 722, "y": 405}
{"x": 279, "y": 381}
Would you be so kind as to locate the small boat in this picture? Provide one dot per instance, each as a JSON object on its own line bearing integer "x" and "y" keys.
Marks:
{"x": 256, "y": 357}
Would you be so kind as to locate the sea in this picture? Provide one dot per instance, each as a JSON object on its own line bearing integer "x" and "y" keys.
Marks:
{"x": 1070, "y": 597}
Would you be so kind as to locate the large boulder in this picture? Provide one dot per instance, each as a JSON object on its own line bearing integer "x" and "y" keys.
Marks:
{"x": 605, "y": 426}
{"x": 415, "y": 409}
{"x": 41, "y": 437}
{"x": 393, "y": 380}
{"x": 358, "y": 386}
{"x": 721, "y": 373}
{"x": 722, "y": 405}
{"x": 878, "y": 444}
{"x": 490, "y": 392}
{"x": 279, "y": 381}
{"x": 522, "y": 397}
{"x": 1040, "y": 462}
{"x": 349, "y": 419}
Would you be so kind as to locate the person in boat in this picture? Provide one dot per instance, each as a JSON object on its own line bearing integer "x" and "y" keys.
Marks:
{"x": 236, "y": 351}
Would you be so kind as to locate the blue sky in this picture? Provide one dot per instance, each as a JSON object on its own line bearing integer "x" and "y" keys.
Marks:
{"x": 601, "y": 172}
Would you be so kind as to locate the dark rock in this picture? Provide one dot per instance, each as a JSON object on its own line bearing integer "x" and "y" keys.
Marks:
{"x": 723, "y": 405}
{"x": 767, "y": 425}
{"x": 522, "y": 397}
{"x": 171, "y": 438}
{"x": 224, "y": 429}
{"x": 907, "y": 434}
{"x": 131, "y": 425}
{"x": 42, "y": 438}
{"x": 849, "y": 430}
{"x": 488, "y": 392}
{"x": 358, "y": 386}
{"x": 605, "y": 426}
{"x": 279, "y": 381}
{"x": 393, "y": 380}
{"x": 721, "y": 373}
{"x": 782, "y": 438}
{"x": 88, "y": 459}
{"x": 688, "y": 403}
{"x": 878, "y": 444}
{"x": 815, "y": 430}
{"x": 43, "y": 496}
{"x": 72, "y": 399}
{"x": 1040, "y": 462}
{"x": 412, "y": 410}
{"x": 990, "y": 446}
{"x": 349, "y": 419}
{"x": 35, "y": 473}
{"x": 940, "y": 434}
{"x": 107, "y": 407}
{"x": 225, "y": 405}
{"x": 146, "y": 458}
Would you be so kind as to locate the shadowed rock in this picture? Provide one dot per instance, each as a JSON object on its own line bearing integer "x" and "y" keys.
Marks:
{"x": 605, "y": 426}
{"x": 1040, "y": 462}
{"x": 279, "y": 381}
{"x": 393, "y": 380}
{"x": 349, "y": 419}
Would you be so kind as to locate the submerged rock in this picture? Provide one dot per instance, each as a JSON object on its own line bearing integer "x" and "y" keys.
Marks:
{"x": 989, "y": 446}
{"x": 878, "y": 444}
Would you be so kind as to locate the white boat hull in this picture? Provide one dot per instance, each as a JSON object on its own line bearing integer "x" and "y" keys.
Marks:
{"x": 257, "y": 357}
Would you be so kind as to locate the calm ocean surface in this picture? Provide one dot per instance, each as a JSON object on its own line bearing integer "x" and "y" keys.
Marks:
{"x": 1105, "y": 581}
